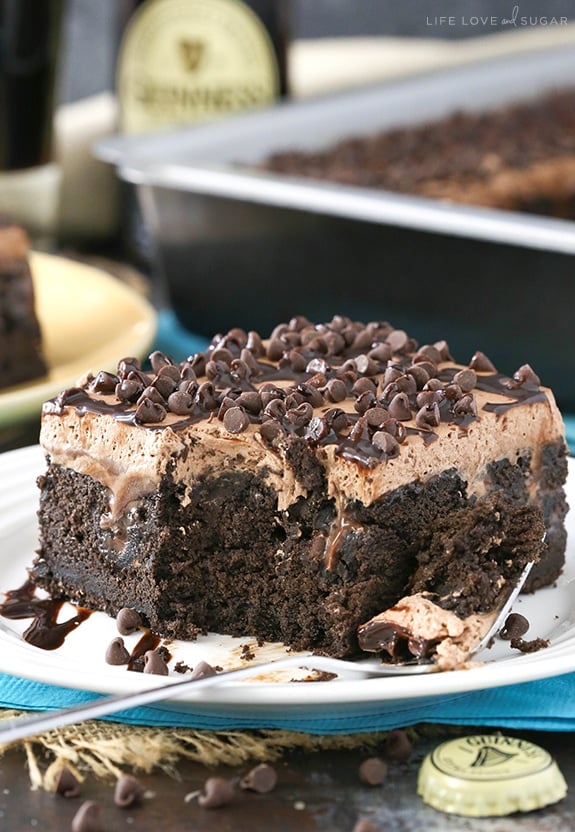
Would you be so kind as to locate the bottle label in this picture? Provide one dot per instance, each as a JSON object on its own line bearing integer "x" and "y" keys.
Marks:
{"x": 184, "y": 61}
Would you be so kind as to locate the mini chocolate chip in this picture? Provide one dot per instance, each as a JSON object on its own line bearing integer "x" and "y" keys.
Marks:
{"x": 406, "y": 384}
{"x": 516, "y": 625}
{"x": 399, "y": 407}
{"x": 360, "y": 431}
{"x": 198, "y": 363}
{"x": 148, "y": 411}
{"x": 428, "y": 416}
{"x": 216, "y": 370}
{"x": 299, "y": 322}
{"x": 301, "y": 415}
{"x": 481, "y": 364}
{"x": 218, "y": 791}
{"x": 294, "y": 400}
{"x": 205, "y": 396}
{"x": 275, "y": 408}
{"x": 128, "y": 621}
{"x": 153, "y": 394}
{"x": 180, "y": 403}
{"x": 311, "y": 393}
{"x": 398, "y": 340}
{"x": 389, "y": 391}
{"x": 271, "y": 431}
{"x": 250, "y": 361}
{"x": 251, "y": 400}
{"x": 316, "y": 429}
{"x": 429, "y": 396}
{"x": 296, "y": 361}
{"x": 390, "y": 375}
{"x": 261, "y": 779}
{"x": 466, "y": 406}
{"x": 187, "y": 373}
{"x": 116, "y": 652}
{"x": 467, "y": 380}
{"x": 236, "y": 336}
{"x": 398, "y": 745}
{"x": 127, "y": 366}
{"x": 128, "y": 791}
{"x": 336, "y": 419}
{"x": 158, "y": 360}
{"x": 335, "y": 343}
{"x": 381, "y": 352}
{"x": 433, "y": 384}
{"x": 239, "y": 370}
{"x": 275, "y": 349}
{"x": 202, "y": 670}
{"x": 317, "y": 365}
{"x": 386, "y": 443}
{"x": 318, "y": 380}
{"x": 254, "y": 344}
{"x": 453, "y": 392}
{"x": 226, "y": 403}
{"x": 363, "y": 385}
{"x": 128, "y": 390}
{"x": 429, "y": 352}
{"x": 362, "y": 340}
{"x": 526, "y": 376}
{"x": 395, "y": 429}
{"x": 373, "y": 771}
{"x": 104, "y": 383}
{"x": 154, "y": 662}
{"x": 376, "y": 416}
{"x": 366, "y": 365}
{"x": 165, "y": 385}
{"x": 87, "y": 818}
{"x": 67, "y": 784}
{"x": 170, "y": 371}
{"x": 236, "y": 420}
{"x": 222, "y": 354}
{"x": 419, "y": 374}
{"x": 335, "y": 390}
{"x": 443, "y": 348}
{"x": 364, "y": 402}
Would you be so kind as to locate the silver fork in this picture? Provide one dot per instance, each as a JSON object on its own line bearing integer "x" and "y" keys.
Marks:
{"x": 21, "y": 728}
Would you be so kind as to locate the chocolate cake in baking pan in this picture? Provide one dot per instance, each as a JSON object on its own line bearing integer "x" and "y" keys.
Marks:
{"x": 519, "y": 157}
{"x": 296, "y": 487}
{"x": 20, "y": 336}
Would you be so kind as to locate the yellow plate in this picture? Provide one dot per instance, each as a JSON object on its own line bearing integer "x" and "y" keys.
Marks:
{"x": 89, "y": 321}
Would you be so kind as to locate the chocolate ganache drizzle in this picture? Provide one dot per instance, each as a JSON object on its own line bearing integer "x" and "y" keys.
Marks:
{"x": 362, "y": 387}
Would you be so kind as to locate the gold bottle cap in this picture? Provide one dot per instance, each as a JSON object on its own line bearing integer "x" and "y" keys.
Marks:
{"x": 489, "y": 775}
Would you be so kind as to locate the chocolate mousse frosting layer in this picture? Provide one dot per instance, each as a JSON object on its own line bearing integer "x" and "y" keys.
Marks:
{"x": 318, "y": 461}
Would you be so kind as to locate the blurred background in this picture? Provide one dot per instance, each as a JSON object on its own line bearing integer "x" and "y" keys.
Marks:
{"x": 90, "y": 37}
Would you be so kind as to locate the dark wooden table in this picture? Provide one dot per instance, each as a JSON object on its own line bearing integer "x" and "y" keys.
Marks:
{"x": 319, "y": 791}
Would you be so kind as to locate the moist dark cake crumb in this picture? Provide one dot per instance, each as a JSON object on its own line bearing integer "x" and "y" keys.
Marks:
{"x": 531, "y": 646}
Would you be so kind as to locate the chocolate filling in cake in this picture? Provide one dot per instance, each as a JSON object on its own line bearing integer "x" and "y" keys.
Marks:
{"x": 20, "y": 337}
{"x": 293, "y": 489}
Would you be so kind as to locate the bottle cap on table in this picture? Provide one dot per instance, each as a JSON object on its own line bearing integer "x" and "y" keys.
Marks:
{"x": 489, "y": 775}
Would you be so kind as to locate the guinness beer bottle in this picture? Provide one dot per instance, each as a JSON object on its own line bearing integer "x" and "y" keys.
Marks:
{"x": 29, "y": 178}
{"x": 186, "y": 61}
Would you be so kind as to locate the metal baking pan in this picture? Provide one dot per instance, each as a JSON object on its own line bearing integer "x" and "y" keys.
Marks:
{"x": 241, "y": 247}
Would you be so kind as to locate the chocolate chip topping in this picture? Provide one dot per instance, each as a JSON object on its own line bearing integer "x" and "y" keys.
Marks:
{"x": 67, "y": 784}
{"x": 128, "y": 791}
{"x": 87, "y": 818}
{"x": 515, "y": 626}
{"x": 218, "y": 791}
{"x": 373, "y": 771}
{"x": 128, "y": 621}
{"x": 398, "y": 745}
{"x": 262, "y": 779}
{"x": 284, "y": 389}
{"x": 154, "y": 662}
{"x": 116, "y": 652}
{"x": 202, "y": 670}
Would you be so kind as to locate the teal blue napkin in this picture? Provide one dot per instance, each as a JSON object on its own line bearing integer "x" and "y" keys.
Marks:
{"x": 547, "y": 705}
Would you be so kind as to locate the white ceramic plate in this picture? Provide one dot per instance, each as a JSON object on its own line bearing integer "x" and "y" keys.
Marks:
{"x": 79, "y": 663}
{"x": 89, "y": 320}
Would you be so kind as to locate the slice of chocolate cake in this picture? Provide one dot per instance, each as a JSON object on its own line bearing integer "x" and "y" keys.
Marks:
{"x": 295, "y": 488}
{"x": 20, "y": 338}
